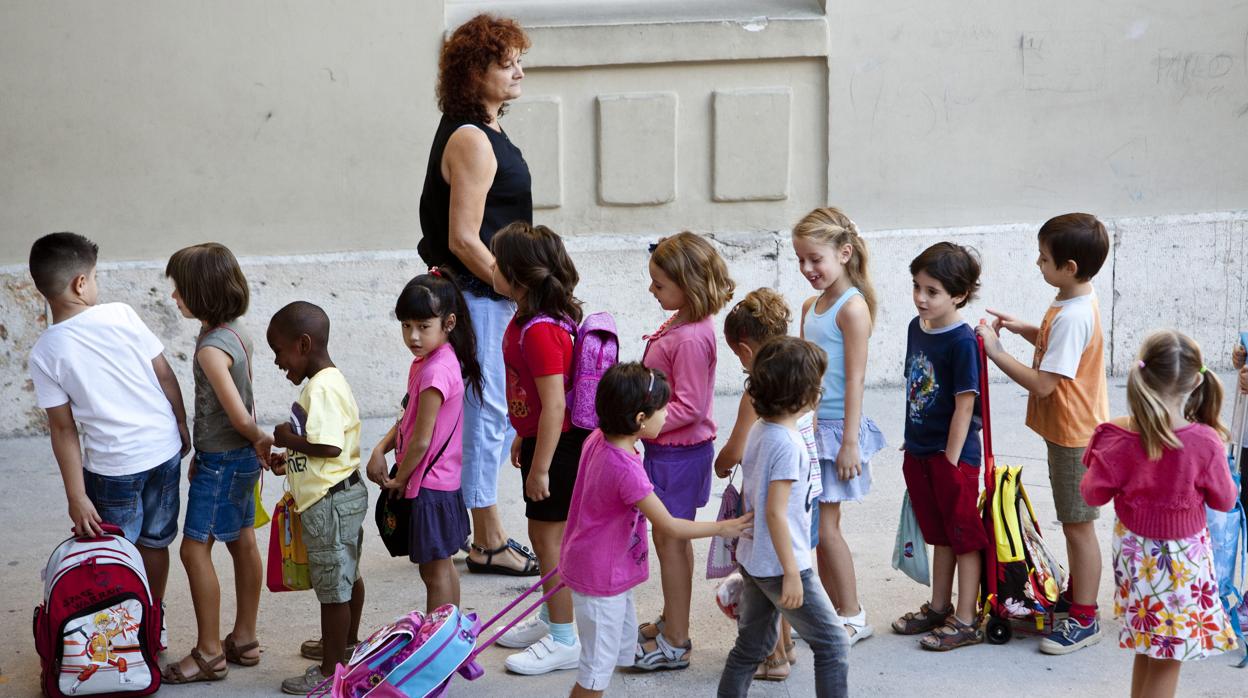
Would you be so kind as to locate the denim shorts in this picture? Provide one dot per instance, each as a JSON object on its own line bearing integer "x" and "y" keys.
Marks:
{"x": 144, "y": 505}
{"x": 221, "y": 501}
{"x": 333, "y": 531}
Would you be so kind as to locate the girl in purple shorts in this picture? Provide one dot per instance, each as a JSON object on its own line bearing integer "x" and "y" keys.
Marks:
{"x": 689, "y": 279}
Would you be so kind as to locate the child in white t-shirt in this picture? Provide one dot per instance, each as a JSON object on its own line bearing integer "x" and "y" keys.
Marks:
{"x": 99, "y": 367}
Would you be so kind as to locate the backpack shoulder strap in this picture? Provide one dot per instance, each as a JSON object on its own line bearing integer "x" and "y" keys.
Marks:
{"x": 565, "y": 323}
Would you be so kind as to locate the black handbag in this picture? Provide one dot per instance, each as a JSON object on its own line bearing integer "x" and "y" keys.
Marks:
{"x": 394, "y": 514}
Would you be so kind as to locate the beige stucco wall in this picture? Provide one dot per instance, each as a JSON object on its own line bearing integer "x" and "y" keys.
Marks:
{"x": 297, "y": 134}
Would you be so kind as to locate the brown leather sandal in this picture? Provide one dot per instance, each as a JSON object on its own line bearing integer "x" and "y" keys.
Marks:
{"x": 173, "y": 673}
{"x": 773, "y": 669}
{"x": 952, "y": 635}
{"x": 924, "y": 620}
{"x": 237, "y": 654}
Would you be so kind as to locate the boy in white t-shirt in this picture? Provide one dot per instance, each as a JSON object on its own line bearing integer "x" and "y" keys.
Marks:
{"x": 1068, "y": 399}
{"x": 100, "y": 367}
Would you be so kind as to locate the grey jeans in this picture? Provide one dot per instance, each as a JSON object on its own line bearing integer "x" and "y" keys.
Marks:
{"x": 815, "y": 620}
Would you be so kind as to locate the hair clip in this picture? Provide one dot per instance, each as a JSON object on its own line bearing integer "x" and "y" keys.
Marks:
{"x": 651, "y": 386}
{"x": 1203, "y": 368}
{"x": 434, "y": 271}
{"x": 653, "y": 246}
{"x": 1141, "y": 364}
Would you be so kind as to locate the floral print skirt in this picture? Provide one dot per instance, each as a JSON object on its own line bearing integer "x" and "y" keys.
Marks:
{"x": 1166, "y": 593}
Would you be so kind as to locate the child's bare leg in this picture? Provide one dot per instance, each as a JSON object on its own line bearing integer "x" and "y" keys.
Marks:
{"x": 357, "y": 609}
{"x": 335, "y": 622}
{"x": 156, "y": 564}
{"x": 1162, "y": 678}
{"x": 1084, "y": 552}
{"x": 1139, "y": 675}
{"x": 969, "y": 567}
{"x": 247, "y": 580}
{"x": 441, "y": 583}
{"x": 836, "y": 562}
{"x": 943, "y": 563}
{"x": 579, "y": 691}
{"x": 547, "y": 537}
{"x": 206, "y": 598}
{"x": 676, "y": 573}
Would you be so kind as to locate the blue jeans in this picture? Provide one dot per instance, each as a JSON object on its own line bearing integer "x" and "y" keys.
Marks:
{"x": 487, "y": 430}
{"x": 144, "y": 505}
{"x": 222, "y": 500}
{"x": 815, "y": 621}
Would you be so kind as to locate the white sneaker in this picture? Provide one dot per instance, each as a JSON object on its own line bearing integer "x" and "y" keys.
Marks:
{"x": 524, "y": 634}
{"x": 545, "y": 656}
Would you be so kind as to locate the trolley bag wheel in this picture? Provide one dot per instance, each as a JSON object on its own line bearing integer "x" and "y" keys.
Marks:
{"x": 998, "y": 631}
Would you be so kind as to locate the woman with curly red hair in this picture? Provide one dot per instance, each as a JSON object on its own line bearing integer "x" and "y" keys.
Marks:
{"x": 476, "y": 183}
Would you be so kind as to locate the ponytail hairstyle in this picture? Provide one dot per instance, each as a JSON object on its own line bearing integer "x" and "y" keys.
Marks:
{"x": 533, "y": 258}
{"x": 761, "y": 315}
{"x": 437, "y": 295}
{"x": 830, "y": 226}
{"x": 694, "y": 265}
{"x": 1169, "y": 366}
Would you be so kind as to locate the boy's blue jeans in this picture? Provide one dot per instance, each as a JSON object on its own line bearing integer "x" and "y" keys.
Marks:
{"x": 815, "y": 620}
{"x": 144, "y": 505}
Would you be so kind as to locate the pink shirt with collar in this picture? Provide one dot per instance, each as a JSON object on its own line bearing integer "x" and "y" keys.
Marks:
{"x": 686, "y": 354}
{"x": 1164, "y": 498}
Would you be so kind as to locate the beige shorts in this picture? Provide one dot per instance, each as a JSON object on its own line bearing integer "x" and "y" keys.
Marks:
{"x": 1066, "y": 471}
{"x": 333, "y": 531}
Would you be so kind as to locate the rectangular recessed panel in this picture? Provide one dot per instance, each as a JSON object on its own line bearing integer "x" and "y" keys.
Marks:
{"x": 752, "y": 144}
{"x": 637, "y": 149}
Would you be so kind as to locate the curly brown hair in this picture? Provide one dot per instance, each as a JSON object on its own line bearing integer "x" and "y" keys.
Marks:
{"x": 471, "y": 49}
{"x": 761, "y": 315}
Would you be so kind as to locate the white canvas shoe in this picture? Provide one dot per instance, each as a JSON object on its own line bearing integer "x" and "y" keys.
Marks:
{"x": 544, "y": 656}
{"x": 524, "y": 634}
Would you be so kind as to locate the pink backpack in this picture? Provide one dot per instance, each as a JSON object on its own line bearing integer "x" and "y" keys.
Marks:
{"x": 97, "y": 631}
{"x": 596, "y": 348}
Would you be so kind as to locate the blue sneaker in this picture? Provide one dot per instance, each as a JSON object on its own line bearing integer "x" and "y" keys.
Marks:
{"x": 1069, "y": 635}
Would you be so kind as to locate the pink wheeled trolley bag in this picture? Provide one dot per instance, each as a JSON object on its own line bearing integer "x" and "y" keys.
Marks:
{"x": 415, "y": 656}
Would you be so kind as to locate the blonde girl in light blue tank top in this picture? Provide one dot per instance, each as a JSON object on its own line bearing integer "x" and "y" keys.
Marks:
{"x": 833, "y": 258}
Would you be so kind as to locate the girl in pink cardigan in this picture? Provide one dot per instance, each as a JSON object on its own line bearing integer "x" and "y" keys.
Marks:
{"x": 1161, "y": 466}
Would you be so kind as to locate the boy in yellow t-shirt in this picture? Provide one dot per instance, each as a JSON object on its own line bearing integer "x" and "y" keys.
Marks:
{"x": 1068, "y": 399}
{"x": 322, "y": 442}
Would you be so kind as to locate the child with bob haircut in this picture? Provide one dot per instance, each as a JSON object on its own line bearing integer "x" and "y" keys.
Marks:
{"x": 533, "y": 269}
{"x": 942, "y": 449}
{"x": 1067, "y": 398}
{"x": 690, "y": 280}
{"x": 321, "y": 465}
{"x": 1162, "y": 465}
{"x": 230, "y": 448}
{"x": 604, "y": 546}
{"x": 428, "y": 439}
{"x": 832, "y": 255}
{"x": 775, "y": 559}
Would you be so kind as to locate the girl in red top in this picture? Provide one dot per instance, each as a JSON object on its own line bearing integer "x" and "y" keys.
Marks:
{"x": 532, "y": 268}
{"x": 1161, "y": 465}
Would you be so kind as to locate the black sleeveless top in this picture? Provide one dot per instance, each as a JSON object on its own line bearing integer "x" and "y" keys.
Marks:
{"x": 510, "y": 199}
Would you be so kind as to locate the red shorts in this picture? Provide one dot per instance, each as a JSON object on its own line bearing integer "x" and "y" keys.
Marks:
{"x": 945, "y": 498}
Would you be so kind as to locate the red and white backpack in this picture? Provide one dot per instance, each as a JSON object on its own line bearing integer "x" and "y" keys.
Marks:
{"x": 98, "y": 629}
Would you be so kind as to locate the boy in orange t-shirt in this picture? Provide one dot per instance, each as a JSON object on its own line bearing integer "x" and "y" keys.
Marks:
{"x": 1068, "y": 399}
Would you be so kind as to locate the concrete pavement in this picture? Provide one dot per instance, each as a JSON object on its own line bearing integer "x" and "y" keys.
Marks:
{"x": 32, "y": 521}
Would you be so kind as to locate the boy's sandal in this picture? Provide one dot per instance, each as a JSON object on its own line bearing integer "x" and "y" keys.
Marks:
{"x": 773, "y": 669}
{"x": 922, "y": 621}
{"x": 663, "y": 656}
{"x": 530, "y": 569}
{"x": 650, "y": 629}
{"x": 952, "y": 635}
{"x": 237, "y": 654}
{"x": 173, "y": 673}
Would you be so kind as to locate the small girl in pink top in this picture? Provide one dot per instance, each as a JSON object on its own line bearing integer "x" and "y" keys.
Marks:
{"x": 428, "y": 438}
{"x": 604, "y": 545}
{"x": 689, "y": 278}
{"x": 1161, "y": 465}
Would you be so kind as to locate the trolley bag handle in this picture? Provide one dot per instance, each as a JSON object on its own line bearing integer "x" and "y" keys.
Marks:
{"x": 990, "y": 461}
{"x": 523, "y": 614}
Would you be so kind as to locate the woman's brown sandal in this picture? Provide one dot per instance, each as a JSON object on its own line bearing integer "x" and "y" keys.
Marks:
{"x": 952, "y": 635}
{"x": 925, "y": 620}
{"x": 237, "y": 654}
{"x": 173, "y": 673}
{"x": 790, "y": 652}
{"x": 773, "y": 669}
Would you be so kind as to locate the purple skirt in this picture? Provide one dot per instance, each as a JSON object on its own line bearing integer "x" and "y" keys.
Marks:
{"x": 681, "y": 476}
{"x": 439, "y": 525}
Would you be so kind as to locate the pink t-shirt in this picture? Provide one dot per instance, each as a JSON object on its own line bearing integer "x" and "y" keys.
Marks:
{"x": 686, "y": 355}
{"x": 604, "y": 550}
{"x": 440, "y": 371}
